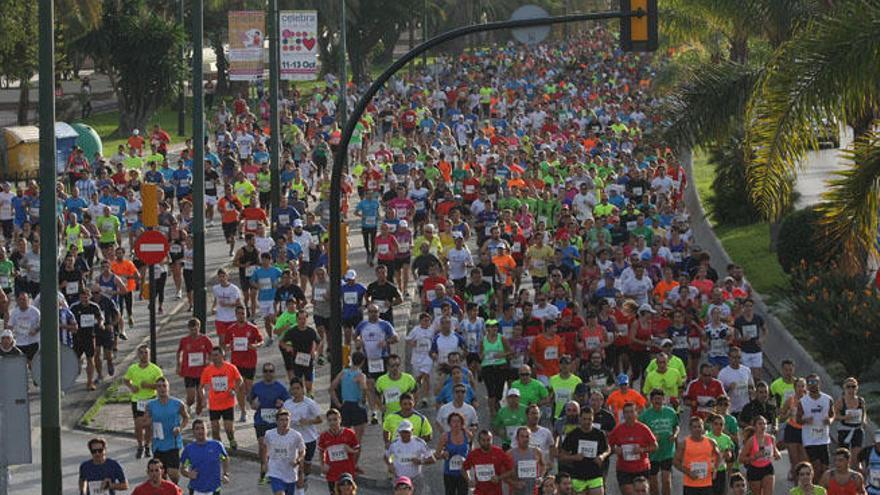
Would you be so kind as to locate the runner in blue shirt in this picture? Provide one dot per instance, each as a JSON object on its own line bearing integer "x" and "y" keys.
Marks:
{"x": 205, "y": 462}
{"x": 169, "y": 416}
{"x": 100, "y": 474}
{"x": 352, "y": 301}
{"x": 368, "y": 210}
{"x": 266, "y": 278}
{"x": 182, "y": 180}
{"x": 266, "y": 397}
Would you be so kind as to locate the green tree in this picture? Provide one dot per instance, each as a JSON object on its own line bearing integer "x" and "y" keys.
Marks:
{"x": 829, "y": 70}
{"x": 139, "y": 50}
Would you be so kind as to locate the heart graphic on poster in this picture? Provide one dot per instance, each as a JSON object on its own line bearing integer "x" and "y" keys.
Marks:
{"x": 309, "y": 43}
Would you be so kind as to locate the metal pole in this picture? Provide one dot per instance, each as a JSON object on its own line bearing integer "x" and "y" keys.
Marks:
{"x": 151, "y": 275}
{"x": 275, "y": 141}
{"x": 50, "y": 379}
{"x": 200, "y": 301}
{"x": 339, "y": 159}
{"x": 343, "y": 79}
{"x": 181, "y": 86}
{"x": 424, "y": 31}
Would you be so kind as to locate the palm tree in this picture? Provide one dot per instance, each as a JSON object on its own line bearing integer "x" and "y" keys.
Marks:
{"x": 830, "y": 69}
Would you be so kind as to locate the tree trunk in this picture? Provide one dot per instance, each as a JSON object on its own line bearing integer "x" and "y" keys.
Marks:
{"x": 862, "y": 124}
{"x": 357, "y": 58}
{"x": 24, "y": 91}
{"x": 389, "y": 41}
{"x": 222, "y": 64}
{"x": 739, "y": 47}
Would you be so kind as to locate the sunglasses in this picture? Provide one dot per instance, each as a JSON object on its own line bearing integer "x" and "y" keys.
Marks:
{"x": 268, "y": 370}
{"x": 97, "y": 451}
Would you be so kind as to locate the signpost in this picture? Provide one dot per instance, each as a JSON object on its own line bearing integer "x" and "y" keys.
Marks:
{"x": 151, "y": 248}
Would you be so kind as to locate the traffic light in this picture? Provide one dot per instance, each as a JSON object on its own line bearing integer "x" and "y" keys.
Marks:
{"x": 150, "y": 203}
{"x": 639, "y": 33}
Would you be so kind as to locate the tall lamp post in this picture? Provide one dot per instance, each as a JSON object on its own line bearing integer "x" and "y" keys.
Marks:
{"x": 343, "y": 70}
{"x": 50, "y": 379}
{"x": 181, "y": 85}
{"x": 200, "y": 297}
{"x": 274, "y": 124}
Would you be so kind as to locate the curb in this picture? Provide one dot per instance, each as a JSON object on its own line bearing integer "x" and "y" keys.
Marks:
{"x": 780, "y": 343}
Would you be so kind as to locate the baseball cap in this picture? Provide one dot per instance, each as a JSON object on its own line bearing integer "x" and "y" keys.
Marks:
{"x": 405, "y": 426}
{"x": 403, "y": 480}
{"x": 513, "y": 392}
{"x": 7, "y": 333}
{"x": 350, "y": 275}
{"x": 456, "y": 234}
{"x": 623, "y": 379}
{"x": 647, "y": 307}
{"x": 345, "y": 478}
{"x": 665, "y": 343}
{"x": 403, "y": 224}
{"x": 297, "y": 223}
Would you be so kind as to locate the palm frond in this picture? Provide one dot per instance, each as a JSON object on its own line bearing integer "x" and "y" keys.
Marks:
{"x": 710, "y": 103}
{"x": 850, "y": 207}
{"x": 829, "y": 69}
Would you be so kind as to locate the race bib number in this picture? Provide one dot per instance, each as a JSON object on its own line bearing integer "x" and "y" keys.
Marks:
{"x": 284, "y": 219}
{"x": 637, "y": 191}
{"x": 268, "y": 414}
{"x": 376, "y": 366}
{"x": 718, "y": 347}
{"x": 383, "y": 249}
{"x": 854, "y": 415}
{"x": 320, "y": 294}
{"x": 142, "y": 405}
{"x": 195, "y": 359}
{"x": 176, "y": 248}
{"x": 251, "y": 224}
{"x": 630, "y": 452}
{"x": 694, "y": 343}
{"x": 517, "y": 247}
{"x": 248, "y": 271}
{"x": 265, "y": 283}
{"x": 392, "y": 395}
{"x": 423, "y": 346}
{"x": 220, "y": 383}
{"x": 280, "y": 453}
{"x": 699, "y": 470}
{"x": 350, "y": 298}
{"x": 592, "y": 342}
{"x": 622, "y": 330}
{"x": 527, "y": 469}
{"x": 750, "y": 332}
{"x": 874, "y": 477}
{"x": 97, "y": 488}
{"x": 551, "y": 353}
{"x": 303, "y": 359}
{"x": 337, "y": 453}
{"x": 158, "y": 431}
{"x": 71, "y": 288}
{"x": 588, "y": 448}
{"x": 240, "y": 344}
{"x": 563, "y": 395}
{"x": 455, "y": 463}
{"x": 631, "y": 225}
{"x": 87, "y": 321}
{"x": 485, "y": 472}
{"x": 481, "y": 300}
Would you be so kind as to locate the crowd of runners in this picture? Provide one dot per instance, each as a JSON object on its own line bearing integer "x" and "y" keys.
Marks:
{"x": 516, "y": 198}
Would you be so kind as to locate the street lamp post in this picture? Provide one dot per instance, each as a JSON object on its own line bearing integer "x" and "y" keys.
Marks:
{"x": 50, "y": 379}
{"x": 274, "y": 125}
{"x": 181, "y": 85}
{"x": 200, "y": 297}
{"x": 343, "y": 70}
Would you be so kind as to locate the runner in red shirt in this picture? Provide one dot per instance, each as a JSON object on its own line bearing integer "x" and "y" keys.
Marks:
{"x": 702, "y": 392}
{"x": 338, "y": 448}
{"x": 631, "y": 441}
{"x": 193, "y": 353}
{"x": 491, "y": 465}
{"x": 386, "y": 249}
{"x": 254, "y": 216}
{"x": 243, "y": 338}
{"x": 155, "y": 485}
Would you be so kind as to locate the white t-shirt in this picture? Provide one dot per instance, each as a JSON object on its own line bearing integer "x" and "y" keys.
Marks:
{"x": 638, "y": 289}
{"x": 422, "y": 337}
{"x": 402, "y": 453}
{"x": 283, "y": 449}
{"x": 548, "y": 312}
{"x": 739, "y": 379}
{"x": 306, "y": 409}
{"x": 6, "y": 210}
{"x": 263, "y": 244}
{"x": 226, "y": 295}
{"x": 305, "y": 242}
{"x": 816, "y": 432}
{"x": 466, "y": 410}
{"x": 445, "y": 345}
{"x": 542, "y": 439}
{"x": 458, "y": 260}
{"x": 23, "y": 322}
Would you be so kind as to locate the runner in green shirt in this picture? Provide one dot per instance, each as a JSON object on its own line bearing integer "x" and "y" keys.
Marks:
{"x": 563, "y": 385}
{"x": 725, "y": 445}
{"x": 108, "y": 226}
{"x": 510, "y": 417}
{"x": 393, "y": 384}
{"x": 140, "y": 378}
{"x": 531, "y": 390}
{"x": 663, "y": 422}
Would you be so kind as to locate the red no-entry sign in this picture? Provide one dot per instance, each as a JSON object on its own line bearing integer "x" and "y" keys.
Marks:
{"x": 151, "y": 247}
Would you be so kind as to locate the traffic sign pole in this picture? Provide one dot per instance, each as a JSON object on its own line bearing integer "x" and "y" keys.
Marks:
{"x": 151, "y": 273}
{"x": 151, "y": 248}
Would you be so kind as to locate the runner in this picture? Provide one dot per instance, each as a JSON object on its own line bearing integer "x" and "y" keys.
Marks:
{"x": 168, "y": 417}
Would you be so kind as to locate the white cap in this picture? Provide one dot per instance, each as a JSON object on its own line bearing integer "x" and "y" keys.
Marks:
{"x": 647, "y": 307}
{"x": 298, "y": 223}
{"x": 350, "y": 275}
{"x": 513, "y": 392}
{"x": 7, "y": 333}
{"x": 135, "y": 132}
{"x": 405, "y": 426}
{"x": 456, "y": 234}
{"x": 403, "y": 224}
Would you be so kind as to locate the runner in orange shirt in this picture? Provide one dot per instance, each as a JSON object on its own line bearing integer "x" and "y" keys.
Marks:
{"x": 623, "y": 395}
{"x": 128, "y": 272}
{"x": 506, "y": 267}
{"x": 229, "y": 206}
{"x": 546, "y": 350}
{"x": 221, "y": 381}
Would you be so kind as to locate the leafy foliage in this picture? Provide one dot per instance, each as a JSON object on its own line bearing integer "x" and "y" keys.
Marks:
{"x": 840, "y": 313}
{"x": 139, "y": 50}
{"x": 730, "y": 202}
{"x": 798, "y": 242}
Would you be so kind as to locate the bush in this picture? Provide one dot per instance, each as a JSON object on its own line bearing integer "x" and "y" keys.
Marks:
{"x": 796, "y": 242}
{"x": 839, "y": 312}
{"x": 731, "y": 204}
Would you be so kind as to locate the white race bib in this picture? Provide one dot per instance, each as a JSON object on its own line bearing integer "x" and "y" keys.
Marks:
{"x": 195, "y": 359}
{"x": 699, "y": 470}
{"x": 455, "y": 463}
{"x": 527, "y": 469}
{"x": 485, "y": 472}
{"x": 284, "y": 219}
{"x": 376, "y": 365}
{"x": 302, "y": 359}
{"x": 551, "y": 353}
{"x": 629, "y": 452}
{"x": 220, "y": 383}
{"x": 391, "y": 395}
{"x": 423, "y": 346}
{"x": 319, "y": 294}
{"x": 265, "y": 283}
{"x": 87, "y": 321}
{"x": 383, "y": 249}
{"x": 268, "y": 414}
{"x": 158, "y": 431}
{"x": 240, "y": 344}
{"x": 97, "y": 488}
{"x": 750, "y": 332}
{"x": 248, "y": 271}
{"x": 142, "y": 405}
{"x": 350, "y": 298}
{"x": 588, "y": 448}
{"x": 71, "y": 288}
{"x": 337, "y": 453}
